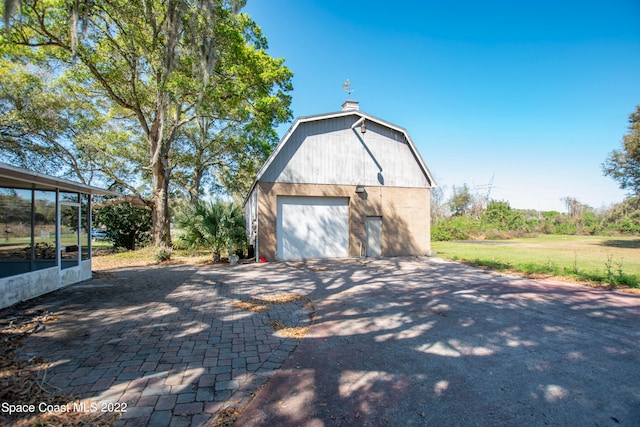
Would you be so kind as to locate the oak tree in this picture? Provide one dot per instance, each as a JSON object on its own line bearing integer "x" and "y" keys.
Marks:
{"x": 152, "y": 69}
{"x": 623, "y": 165}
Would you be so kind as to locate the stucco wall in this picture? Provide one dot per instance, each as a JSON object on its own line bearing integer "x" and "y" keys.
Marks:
{"x": 405, "y": 216}
{"x": 22, "y": 287}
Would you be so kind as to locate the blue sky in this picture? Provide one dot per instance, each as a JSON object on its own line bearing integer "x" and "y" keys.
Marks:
{"x": 533, "y": 94}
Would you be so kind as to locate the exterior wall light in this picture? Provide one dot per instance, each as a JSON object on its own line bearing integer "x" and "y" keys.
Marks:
{"x": 363, "y": 128}
{"x": 359, "y": 189}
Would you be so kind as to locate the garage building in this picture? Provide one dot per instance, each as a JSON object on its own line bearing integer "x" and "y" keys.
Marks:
{"x": 343, "y": 184}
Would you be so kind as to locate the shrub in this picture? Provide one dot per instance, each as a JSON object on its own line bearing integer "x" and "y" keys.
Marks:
{"x": 215, "y": 225}
{"x": 455, "y": 228}
{"x": 624, "y": 218}
{"x": 128, "y": 226}
{"x": 163, "y": 254}
{"x": 500, "y": 216}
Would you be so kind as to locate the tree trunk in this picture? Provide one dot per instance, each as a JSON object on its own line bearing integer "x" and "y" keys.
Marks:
{"x": 194, "y": 188}
{"x": 159, "y": 153}
{"x": 160, "y": 213}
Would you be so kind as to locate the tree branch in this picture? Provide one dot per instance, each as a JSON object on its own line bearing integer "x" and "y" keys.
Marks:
{"x": 134, "y": 200}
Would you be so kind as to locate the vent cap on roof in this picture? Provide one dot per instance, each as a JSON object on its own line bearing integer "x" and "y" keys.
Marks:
{"x": 350, "y": 104}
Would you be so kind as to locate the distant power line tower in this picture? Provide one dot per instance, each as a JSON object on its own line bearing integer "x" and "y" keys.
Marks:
{"x": 490, "y": 187}
{"x": 487, "y": 196}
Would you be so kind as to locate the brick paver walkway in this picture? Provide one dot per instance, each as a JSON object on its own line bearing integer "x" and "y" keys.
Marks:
{"x": 166, "y": 341}
{"x": 400, "y": 341}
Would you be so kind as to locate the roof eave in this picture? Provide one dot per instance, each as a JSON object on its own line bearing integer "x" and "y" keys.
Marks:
{"x": 15, "y": 176}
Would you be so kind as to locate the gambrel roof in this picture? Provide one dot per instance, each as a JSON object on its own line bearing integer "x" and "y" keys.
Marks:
{"x": 292, "y": 162}
{"x": 362, "y": 115}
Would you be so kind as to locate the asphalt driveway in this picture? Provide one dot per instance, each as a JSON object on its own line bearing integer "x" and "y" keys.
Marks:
{"x": 429, "y": 342}
{"x": 400, "y": 341}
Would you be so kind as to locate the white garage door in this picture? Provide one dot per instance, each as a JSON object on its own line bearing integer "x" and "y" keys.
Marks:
{"x": 313, "y": 227}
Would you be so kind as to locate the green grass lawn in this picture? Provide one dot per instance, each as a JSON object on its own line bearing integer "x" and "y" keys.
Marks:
{"x": 612, "y": 260}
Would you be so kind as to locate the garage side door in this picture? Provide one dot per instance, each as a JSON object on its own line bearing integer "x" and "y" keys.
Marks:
{"x": 313, "y": 227}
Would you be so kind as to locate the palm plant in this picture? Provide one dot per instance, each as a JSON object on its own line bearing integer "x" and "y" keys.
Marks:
{"x": 215, "y": 225}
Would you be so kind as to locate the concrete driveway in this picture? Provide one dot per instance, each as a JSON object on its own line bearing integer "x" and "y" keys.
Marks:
{"x": 404, "y": 341}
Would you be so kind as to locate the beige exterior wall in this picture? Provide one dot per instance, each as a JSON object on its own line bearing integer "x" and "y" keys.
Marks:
{"x": 405, "y": 216}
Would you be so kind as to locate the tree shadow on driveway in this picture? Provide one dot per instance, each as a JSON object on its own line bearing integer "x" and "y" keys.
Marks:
{"x": 394, "y": 341}
{"x": 428, "y": 342}
{"x": 164, "y": 341}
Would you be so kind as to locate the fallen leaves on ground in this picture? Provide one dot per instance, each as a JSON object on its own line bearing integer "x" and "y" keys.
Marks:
{"x": 281, "y": 299}
{"x": 110, "y": 259}
{"x": 24, "y": 382}
{"x": 297, "y": 332}
{"x": 262, "y": 304}
{"x": 276, "y": 325}
{"x": 226, "y": 417}
{"x": 68, "y": 419}
{"x": 258, "y": 305}
{"x": 250, "y": 306}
